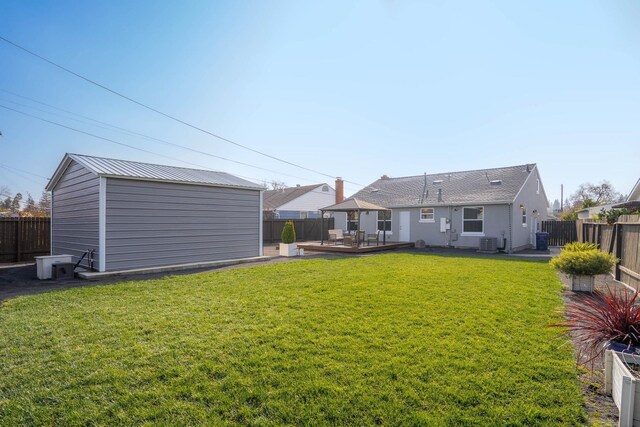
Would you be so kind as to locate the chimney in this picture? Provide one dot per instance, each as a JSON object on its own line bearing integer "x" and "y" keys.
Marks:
{"x": 339, "y": 190}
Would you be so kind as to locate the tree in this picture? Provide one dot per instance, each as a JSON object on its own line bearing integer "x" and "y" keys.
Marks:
{"x": 556, "y": 205}
{"x": 44, "y": 204}
{"x": 589, "y": 195}
{"x": 30, "y": 208}
{"x": 15, "y": 203}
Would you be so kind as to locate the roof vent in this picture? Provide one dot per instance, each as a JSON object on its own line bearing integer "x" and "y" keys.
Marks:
{"x": 438, "y": 181}
{"x": 495, "y": 182}
{"x": 374, "y": 190}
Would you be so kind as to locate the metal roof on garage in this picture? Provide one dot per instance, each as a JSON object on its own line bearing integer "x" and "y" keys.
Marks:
{"x": 116, "y": 168}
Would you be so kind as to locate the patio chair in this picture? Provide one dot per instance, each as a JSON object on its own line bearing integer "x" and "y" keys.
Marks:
{"x": 375, "y": 237}
{"x": 336, "y": 235}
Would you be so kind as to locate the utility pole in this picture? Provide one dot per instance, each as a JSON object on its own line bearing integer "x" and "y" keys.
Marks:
{"x": 561, "y": 197}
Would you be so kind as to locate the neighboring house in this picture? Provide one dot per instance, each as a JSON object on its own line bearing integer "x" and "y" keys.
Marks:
{"x": 590, "y": 213}
{"x": 297, "y": 202}
{"x": 633, "y": 199}
{"x": 138, "y": 215}
{"x": 457, "y": 209}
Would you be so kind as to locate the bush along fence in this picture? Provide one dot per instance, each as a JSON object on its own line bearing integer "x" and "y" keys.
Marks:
{"x": 306, "y": 229}
{"x": 21, "y": 239}
{"x": 622, "y": 239}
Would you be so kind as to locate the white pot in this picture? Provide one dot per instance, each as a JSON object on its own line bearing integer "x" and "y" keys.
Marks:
{"x": 620, "y": 383}
{"x": 582, "y": 283}
{"x": 288, "y": 249}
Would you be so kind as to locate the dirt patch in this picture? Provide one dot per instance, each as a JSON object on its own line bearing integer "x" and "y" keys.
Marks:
{"x": 600, "y": 407}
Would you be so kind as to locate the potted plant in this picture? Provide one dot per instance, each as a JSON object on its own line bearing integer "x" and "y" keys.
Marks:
{"x": 610, "y": 322}
{"x": 582, "y": 262}
{"x": 288, "y": 246}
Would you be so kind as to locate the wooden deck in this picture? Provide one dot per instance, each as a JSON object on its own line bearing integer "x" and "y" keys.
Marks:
{"x": 317, "y": 247}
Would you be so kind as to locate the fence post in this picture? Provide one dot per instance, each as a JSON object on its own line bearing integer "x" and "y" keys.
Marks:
{"x": 18, "y": 239}
{"x": 271, "y": 231}
{"x": 618, "y": 253}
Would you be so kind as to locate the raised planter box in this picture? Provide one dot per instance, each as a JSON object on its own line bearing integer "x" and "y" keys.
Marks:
{"x": 582, "y": 283}
{"x": 620, "y": 383}
{"x": 288, "y": 249}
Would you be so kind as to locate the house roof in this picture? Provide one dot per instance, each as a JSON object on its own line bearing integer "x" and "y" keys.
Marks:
{"x": 352, "y": 204}
{"x": 115, "y": 168}
{"x": 273, "y": 199}
{"x": 635, "y": 192}
{"x": 490, "y": 186}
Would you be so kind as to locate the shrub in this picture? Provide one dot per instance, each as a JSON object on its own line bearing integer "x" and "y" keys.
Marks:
{"x": 597, "y": 321}
{"x": 584, "y": 263}
{"x": 612, "y": 215}
{"x": 579, "y": 247}
{"x": 288, "y": 233}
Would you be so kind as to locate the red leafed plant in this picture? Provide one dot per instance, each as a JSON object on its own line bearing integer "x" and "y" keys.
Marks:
{"x": 596, "y": 321}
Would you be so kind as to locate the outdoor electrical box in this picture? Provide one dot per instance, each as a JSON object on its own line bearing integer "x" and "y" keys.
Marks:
{"x": 444, "y": 225}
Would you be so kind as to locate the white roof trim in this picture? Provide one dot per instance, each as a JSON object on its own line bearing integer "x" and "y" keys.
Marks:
{"x": 123, "y": 169}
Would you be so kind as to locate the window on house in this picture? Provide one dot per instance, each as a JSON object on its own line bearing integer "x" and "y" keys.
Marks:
{"x": 473, "y": 220}
{"x": 524, "y": 216}
{"x": 382, "y": 216}
{"x": 352, "y": 221}
{"x": 427, "y": 215}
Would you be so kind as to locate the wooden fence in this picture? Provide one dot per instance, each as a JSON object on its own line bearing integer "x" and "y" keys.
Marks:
{"x": 306, "y": 229}
{"x": 21, "y": 239}
{"x": 560, "y": 232}
{"x": 622, "y": 239}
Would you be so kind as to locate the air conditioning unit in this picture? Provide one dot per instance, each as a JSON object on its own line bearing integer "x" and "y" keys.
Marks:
{"x": 488, "y": 244}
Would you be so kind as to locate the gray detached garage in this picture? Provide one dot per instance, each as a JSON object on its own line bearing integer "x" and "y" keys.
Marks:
{"x": 131, "y": 215}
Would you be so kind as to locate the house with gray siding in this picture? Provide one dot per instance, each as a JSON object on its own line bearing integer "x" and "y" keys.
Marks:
{"x": 458, "y": 209}
{"x": 133, "y": 215}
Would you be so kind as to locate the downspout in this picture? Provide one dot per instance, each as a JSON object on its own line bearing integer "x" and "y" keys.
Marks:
{"x": 510, "y": 228}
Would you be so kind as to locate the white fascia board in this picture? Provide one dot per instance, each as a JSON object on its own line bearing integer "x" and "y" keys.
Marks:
{"x": 202, "y": 184}
{"x": 261, "y": 222}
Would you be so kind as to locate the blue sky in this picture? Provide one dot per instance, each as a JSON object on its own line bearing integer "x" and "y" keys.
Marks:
{"x": 353, "y": 89}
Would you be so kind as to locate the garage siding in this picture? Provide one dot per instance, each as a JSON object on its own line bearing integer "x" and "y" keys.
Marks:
{"x": 74, "y": 227}
{"x": 150, "y": 224}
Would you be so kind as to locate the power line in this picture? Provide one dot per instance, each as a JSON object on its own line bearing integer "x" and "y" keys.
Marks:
{"x": 100, "y": 137}
{"x": 124, "y": 130}
{"x": 23, "y": 171}
{"x": 67, "y": 70}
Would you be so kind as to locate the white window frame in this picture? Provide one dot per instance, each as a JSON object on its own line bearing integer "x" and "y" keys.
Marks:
{"x": 378, "y": 221}
{"x": 433, "y": 215}
{"x": 523, "y": 213}
{"x": 472, "y": 233}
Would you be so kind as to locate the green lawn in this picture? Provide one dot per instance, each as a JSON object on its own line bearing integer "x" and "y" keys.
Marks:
{"x": 396, "y": 339}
